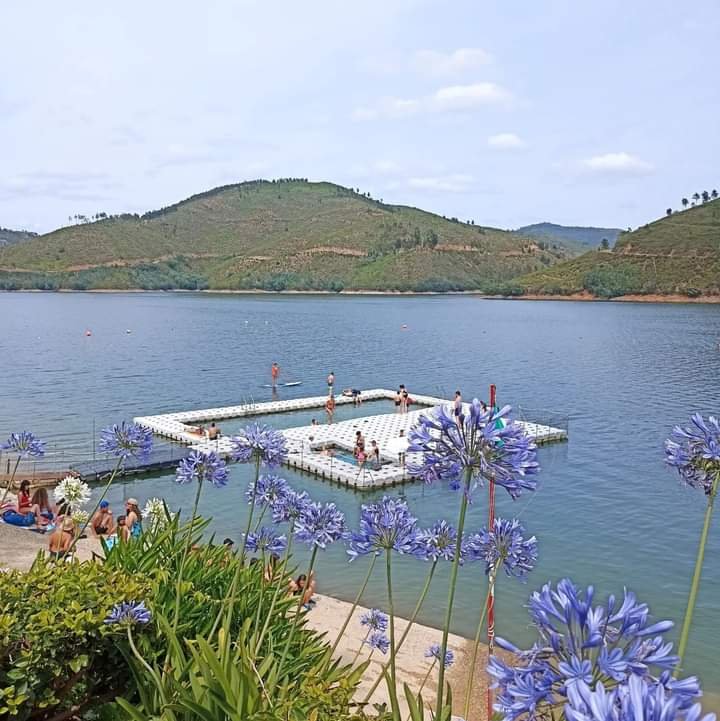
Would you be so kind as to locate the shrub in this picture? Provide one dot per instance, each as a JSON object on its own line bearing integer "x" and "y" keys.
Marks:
{"x": 56, "y": 653}
{"x": 609, "y": 281}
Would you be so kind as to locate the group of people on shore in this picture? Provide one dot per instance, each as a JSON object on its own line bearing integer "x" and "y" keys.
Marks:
{"x": 365, "y": 455}
{"x": 212, "y": 432}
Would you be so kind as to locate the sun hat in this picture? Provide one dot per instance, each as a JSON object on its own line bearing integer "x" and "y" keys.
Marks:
{"x": 131, "y": 502}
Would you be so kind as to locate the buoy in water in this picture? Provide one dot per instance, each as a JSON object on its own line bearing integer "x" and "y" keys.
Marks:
{"x": 404, "y": 326}
{"x": 127, "y": 330}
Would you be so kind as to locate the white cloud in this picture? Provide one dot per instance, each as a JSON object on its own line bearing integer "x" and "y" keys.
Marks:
{"x": 617, "y": 164}
{"x": 386, "y": 167}
{"x": 465, "y": 97}
{"x": 457, "y": 183}
{"x": 506, "y": 141}
{"x": 438, "y": 64}
{"x": 447, "y": 99}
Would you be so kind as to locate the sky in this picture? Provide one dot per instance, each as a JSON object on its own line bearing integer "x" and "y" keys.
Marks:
{"x": 507, "y": 113}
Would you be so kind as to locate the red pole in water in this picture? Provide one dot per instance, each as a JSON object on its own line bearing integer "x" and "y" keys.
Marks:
{"x": 491, "y": 590}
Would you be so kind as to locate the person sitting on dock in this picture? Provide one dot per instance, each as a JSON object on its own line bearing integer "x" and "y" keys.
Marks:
{"x": 133, "y": 519}
{"x": 301, "y": 586}
{"x": 24, "y": 500}
{"x": 353, "y": 393}
{"x": 213, "y": 432}
{"x": 102, "y": 522}
{"x": 197, "y": 430}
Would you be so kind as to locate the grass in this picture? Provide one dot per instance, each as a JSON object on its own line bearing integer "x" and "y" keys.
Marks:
{"x": 677, "y": 254}
{"x": 276, "y": 235}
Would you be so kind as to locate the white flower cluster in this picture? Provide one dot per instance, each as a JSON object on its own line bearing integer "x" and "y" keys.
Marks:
{"x": 73, "y": 491}
{"x": 155, "y": 513}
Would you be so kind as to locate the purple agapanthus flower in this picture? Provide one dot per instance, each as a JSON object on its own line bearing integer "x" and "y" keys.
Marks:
{"x": 266, "y": 541}
{"x": 635, "y": 700}
{"x": 126, "y": 439}
{"x": 482, "y": 443}
{"x": 580, "y": 646}
{"x": 378, "y": 641}
{"x": 435, "y": 652}
{"x": 261, "y": 442}
{"x": 438, "y": 542}
{"x": 268, "y": 491}
{"x": 129, "y": 613}
{"x": 25, "y": 444}
{"x": 384, "y": 526}
{"x": 290, "y": 507}
{"x": 320, "y": 524}
{"x": 695, "y": 452}
{"x": 374, "y": 620}
{"x": 200, "y": 467}
{"x": 504, "y": 545}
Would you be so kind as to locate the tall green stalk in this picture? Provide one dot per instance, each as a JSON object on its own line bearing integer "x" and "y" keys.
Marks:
{"x": 695, "y": 584}
{"x": 391, "y": 606}
{"x": 94, "y": 510}
{"x": 451, "y": 591}
{"x": 476, "y": 647}
{"x": 8, "y": 485}
{"x": 405, "y": 633}
{"x": 186, "y": 551}
{"x": 355, "y": 604}
{"x": 252, "y": 509}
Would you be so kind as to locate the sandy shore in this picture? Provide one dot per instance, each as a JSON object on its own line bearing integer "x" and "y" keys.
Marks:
{"x": 19, "y": 548}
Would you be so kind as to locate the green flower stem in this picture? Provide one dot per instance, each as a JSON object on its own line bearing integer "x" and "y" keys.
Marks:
{"x": 252, "y": 510}
{"x": 278, "y": 588}
{"x": 186, "y": 551}
{"x": 391, "y": 606}
{"x": 427, "y": 676}
{"x": 362, "y": 643}
{"x": 695, "y": 585}
{"x": 8, "y": 485}
{"x": 405, "y": 633}
{"x": 97, "y": 505}
{"x": 260, "y": 519}
{"x": 476, "y": 647}
{"x": 355, "y": 604}
{"x": 153, "y": 672}
{"x": 296, "y": 618}
{"x": 451, "y": 591}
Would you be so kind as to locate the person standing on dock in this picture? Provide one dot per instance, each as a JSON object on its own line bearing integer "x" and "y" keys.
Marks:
{"x": 274, "y": 374}
{"x": 330, "y": 407}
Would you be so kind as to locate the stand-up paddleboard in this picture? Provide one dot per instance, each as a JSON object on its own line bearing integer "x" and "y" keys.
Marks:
{"x": 292, "y": 383}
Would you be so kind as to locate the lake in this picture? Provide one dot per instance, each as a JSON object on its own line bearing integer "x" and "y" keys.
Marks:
{"x": 606, "y": 512}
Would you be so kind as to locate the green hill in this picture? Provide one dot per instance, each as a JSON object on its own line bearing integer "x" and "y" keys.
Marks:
{"x": 276, "y": 235}
{"x": 677, "y": 254}
{"x": 576, "y": 236}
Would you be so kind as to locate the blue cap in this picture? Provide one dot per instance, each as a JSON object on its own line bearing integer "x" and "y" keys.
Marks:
{"x": 104, "y": 504}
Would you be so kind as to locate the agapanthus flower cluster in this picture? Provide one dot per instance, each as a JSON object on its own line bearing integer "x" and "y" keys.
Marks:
{"x": 258, "y": 441}
{"x": 374, "y": 620}
{"x": 269, "y": 491}
{"x": 384, "y": 526}
{"x": 155, "y": 513}
{"x": 438, "y": 543}
{"x": 201, "y": 467}
{"x": 129, "y": 613}
{"x": 266, "y": 541}
{"x": 635, "y": 700}
{"x": 504, "y": 545}
{"x": 292, "y": 505}
{"x": 80, "y": 517}
{"x": 580, "y": 646}
{"x": 72, "y": 491}
{"x": 435, "y": 652}
{"x": 483, "y": 443}
{"x": 24, "y": 444}
{"x": 378, "y": 641}
{"x": 320, "y": 524}
{"x": 695, "y": 452}
{"x": 123, "y": 440}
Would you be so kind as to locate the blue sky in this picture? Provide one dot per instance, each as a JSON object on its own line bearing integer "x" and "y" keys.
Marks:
{"x": 506, "y": 113}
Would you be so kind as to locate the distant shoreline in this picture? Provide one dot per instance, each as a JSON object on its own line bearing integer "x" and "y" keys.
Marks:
{"x": 584, "y": 297}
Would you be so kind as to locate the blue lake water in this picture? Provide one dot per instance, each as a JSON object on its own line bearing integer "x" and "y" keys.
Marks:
{"x": 607, "y": 511}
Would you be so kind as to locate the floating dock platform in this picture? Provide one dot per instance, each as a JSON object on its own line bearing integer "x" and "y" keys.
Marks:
{"x": 326, "y": 450}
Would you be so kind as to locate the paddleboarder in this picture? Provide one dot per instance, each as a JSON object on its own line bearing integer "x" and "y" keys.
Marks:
{"x": 274, "y": 374}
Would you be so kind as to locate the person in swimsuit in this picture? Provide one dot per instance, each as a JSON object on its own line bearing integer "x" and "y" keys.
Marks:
{"x": 374, "y": 455}
{"x": 330, "y": 408}
{"x": 44, "y": 511}
{"x": 404, "y": 395}
{"x": 102, "y": 522}
{"x": 213, "y": 432}
{"x": 331, "y": 382}
{"x": 24, "y": 501}
{"x": 133, "y": 518}
{"x": 274, "y": 374}
{"x": 398, "y": 401}
{"x": 122, "y": 532}
{"x": 457, "y": 407}
{"x": 61, "y": 539}
{"x": 359, "y": 444}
